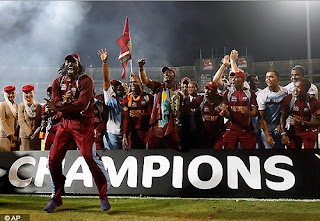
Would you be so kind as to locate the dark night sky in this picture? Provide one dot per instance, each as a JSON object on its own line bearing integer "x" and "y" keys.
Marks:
{"x": 166, "y": 33}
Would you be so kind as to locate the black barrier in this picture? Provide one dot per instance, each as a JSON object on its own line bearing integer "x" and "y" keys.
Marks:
{"x": 197, "y": 173}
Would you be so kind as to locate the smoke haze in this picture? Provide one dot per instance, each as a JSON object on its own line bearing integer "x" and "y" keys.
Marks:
{"x": 41, "y": 33}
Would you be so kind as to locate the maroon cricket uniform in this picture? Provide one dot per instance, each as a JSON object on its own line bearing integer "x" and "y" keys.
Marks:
{"x": 305, "y": 110}
{"x": 213, "y": 127}
{"x": 100, "y": 120}
{"x": 240, "y": 128}
{"x": 166, "y": 135}
{"x": 76, "y": 124}
{"x": 137, "y": 128}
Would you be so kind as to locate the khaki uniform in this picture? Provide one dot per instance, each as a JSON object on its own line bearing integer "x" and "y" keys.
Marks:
{"x": 28, "y": 126}
{"x": 8, "y": 125}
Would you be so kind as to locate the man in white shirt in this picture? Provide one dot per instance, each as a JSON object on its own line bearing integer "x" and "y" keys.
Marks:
{"x": 269, "y": 105}
{"x": 113, "y": 94}
{"x": 297, "y": 72}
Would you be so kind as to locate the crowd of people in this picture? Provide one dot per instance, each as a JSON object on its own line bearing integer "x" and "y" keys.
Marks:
{"x": 233, "y": 112}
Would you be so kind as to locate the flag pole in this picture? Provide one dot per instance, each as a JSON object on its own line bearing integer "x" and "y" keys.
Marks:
{"x": 131, "y": 66}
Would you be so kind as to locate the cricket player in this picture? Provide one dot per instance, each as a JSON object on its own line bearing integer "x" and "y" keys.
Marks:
{"x": 73, "y": 93}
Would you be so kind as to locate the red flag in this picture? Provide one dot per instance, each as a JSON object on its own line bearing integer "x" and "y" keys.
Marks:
{"x": 125, "y": 45}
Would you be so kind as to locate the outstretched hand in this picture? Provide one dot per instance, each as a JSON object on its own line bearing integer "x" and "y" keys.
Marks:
{"x": 103, "y": 54}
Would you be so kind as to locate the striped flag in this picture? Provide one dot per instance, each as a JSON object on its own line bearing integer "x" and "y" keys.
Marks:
{"x": 125, "y": 44}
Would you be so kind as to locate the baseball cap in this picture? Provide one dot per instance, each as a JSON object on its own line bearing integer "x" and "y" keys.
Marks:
{"x": 9, "y": 88}
{"x": 168, "y": 68}
{"x": 211, "y": 85}
{"x": 72, "y": 57}
{"x": 27, "y": 88}
{"x": 241, "y": 74}
{"x": 185, "y": 80}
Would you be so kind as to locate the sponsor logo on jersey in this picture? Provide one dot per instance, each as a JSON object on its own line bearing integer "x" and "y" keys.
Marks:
{"x": 295, "y": 108}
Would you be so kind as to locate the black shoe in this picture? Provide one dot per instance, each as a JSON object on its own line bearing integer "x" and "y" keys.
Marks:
{"x": 105, "y": 205}
{"x": 52, "y": 205}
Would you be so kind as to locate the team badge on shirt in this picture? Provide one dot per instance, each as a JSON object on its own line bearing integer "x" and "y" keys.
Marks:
{"x": 134, "y": 104}
{"x": 306, "y": 110}
{"x": 295, "y": 108}
{"x": 63, "y": 87}
{"x": 143, "y": 103}
{"x": 206, "y": 109}
{"x": 245, "y": 98}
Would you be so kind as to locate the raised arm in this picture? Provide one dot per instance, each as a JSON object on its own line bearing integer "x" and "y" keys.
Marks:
{"x": 233, "y": 58}
{"x": 105, "y": 69}
{"x": 142, "y": 73}
{"x": 217, "y": 78}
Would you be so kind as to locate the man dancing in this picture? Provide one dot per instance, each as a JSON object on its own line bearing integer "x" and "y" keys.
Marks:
{"x": 73, "y": 96}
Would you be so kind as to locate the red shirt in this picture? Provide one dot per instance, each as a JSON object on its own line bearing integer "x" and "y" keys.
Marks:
{"x": 100, "y": 116}
{"x": 212, "y": 121}
{"x": 239, "y": 105}
{"x": 82, "y": 100}
{"x": 144, "y": 104}
{"x": 301, "y": 110}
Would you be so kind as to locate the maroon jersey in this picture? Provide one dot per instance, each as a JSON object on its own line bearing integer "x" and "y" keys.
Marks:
{"x": 302, "y": 110}
{"x": 100, "y": 116}
{"x": 81, "y": 103}
{"x": 239, "y": 104}
{"x": 212, "y": 121}
{"x": 143, "y": 103}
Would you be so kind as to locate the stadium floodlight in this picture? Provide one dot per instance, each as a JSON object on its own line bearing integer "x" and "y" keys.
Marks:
{"x": 310, "y": 67}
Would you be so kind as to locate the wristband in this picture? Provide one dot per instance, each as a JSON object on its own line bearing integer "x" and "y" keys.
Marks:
{"x": 225, "y": 65}
{"x": 104, "y": 62}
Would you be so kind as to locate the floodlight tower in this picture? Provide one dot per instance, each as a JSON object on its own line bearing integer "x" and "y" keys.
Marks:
{"x": 310, "y": 66}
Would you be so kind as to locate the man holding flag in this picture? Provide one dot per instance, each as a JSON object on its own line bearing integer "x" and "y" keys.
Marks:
{"x": 125, "y": 44}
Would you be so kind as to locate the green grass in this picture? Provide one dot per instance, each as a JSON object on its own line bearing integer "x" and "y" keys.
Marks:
{"x": 84, "y": 208}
